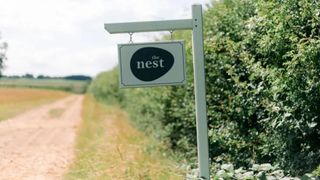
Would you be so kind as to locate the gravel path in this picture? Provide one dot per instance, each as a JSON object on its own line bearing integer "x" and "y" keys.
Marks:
{"x": 39, "y": 144}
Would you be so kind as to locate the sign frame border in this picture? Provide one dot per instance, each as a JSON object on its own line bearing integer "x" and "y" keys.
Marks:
{"x": 183, "y": 82}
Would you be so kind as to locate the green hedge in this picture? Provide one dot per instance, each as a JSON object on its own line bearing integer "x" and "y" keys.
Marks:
{"x": 263, "y": 87}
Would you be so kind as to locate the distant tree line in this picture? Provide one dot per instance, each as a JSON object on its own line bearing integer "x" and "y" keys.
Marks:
{"x": 31, "y": 76}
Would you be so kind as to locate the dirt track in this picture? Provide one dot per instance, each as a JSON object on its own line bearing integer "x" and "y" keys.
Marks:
{"x": 39, "y": 144}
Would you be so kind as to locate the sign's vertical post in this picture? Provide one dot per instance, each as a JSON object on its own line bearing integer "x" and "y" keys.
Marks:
{"x": 200, "y": 92}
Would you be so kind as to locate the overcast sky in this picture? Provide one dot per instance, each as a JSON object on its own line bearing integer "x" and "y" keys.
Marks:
{"x": 64, "y": 37}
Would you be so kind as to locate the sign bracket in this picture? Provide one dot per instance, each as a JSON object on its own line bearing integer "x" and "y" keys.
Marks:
{"x": 196, "y": 25}
{"x": 149, "y": 26}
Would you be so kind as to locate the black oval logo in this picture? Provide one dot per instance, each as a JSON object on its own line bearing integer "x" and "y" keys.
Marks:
{"x": 150, "y": 63}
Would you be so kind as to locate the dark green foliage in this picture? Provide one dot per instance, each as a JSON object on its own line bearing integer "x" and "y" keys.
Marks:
{"x": 263, "y": 82}
{"x": 78, "y": 78}
{"x": 290, "y": 41}
{"x": 28, "y": 76}
{"x": 263, "y": 87}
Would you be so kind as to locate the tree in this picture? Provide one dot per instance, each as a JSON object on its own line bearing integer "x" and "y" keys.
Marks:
{"x": 3, "y": 49}
{"x": 28, "y": 76}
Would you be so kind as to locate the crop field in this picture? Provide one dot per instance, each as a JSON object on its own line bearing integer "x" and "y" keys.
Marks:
{"x": 16, "y": 100}
{"x": 56, "y": 84}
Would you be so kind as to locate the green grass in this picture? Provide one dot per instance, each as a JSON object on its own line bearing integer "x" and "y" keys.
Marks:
{"x": 109, "y": 147}
{"x": 56, "y": 112}
{"x": 55, "y": 84}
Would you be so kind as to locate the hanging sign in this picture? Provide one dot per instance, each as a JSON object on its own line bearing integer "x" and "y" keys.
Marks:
{"x": 152, "y": 64}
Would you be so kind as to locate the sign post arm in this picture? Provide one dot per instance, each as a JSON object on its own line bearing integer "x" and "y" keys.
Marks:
{"x": 200, "y": 92}
{"x": 147, "y": 26}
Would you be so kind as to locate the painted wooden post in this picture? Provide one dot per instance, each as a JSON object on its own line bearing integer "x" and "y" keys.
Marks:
{"x": 200, "y": 92}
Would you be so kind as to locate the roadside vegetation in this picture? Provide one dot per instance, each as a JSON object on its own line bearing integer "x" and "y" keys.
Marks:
{"x": 17, "y": 100}
{"x": 109, "y": 147}
{"x": 263, "y": 91}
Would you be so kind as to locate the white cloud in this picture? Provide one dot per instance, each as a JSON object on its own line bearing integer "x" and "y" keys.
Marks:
{"x": 61, "y": 37}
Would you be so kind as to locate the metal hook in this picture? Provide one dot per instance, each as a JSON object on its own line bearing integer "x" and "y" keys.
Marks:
{"x": 130, "y": 33}
{"x": 171, "y": 34}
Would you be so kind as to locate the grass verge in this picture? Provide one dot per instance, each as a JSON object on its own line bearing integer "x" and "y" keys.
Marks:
{"x": 108, "y": 147}
{"x": 17, "y": 100}
{"x": 56, "y": 113}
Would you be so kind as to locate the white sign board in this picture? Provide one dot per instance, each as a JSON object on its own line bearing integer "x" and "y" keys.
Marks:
{"x": 152, "y": 64}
